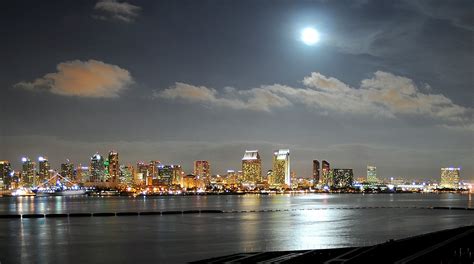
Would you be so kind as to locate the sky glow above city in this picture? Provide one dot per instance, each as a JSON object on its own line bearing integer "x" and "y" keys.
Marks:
{"x": 384, "y": 83}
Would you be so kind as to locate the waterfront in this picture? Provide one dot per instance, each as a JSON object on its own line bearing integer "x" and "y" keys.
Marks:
{"x": 312, "y": 221}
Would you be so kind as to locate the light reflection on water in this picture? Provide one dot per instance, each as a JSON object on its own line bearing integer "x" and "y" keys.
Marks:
{"x": 180, "y": 238}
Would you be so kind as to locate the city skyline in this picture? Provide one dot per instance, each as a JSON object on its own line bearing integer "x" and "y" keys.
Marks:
{"x": 352, "y": 82}
{"x": 204, "y": 165}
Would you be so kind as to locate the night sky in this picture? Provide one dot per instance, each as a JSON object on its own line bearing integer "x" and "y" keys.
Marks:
{"x": 390, "y": 83}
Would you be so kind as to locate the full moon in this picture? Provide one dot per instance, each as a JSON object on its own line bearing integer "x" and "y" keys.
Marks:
{"x": 309, "y": 36}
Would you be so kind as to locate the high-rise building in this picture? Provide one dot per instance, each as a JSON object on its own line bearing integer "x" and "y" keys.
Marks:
{"x": 251, "y": 167}
{"x": 141, "y": 173}
{"x": 202, "y": 170}
{"x": 126, "y": 174}
{"x": 372, "y": 174}
{"x": 325, "y": 174}
{"x": 113, "y": 167}
{"x": 97, "y": 168}
{"x": 67, "y": 170}
{"x": 342, "y": 178}
{"x": 5, "y": 174}
{"x": 316, "y": 172}
{"x": 450, "y": 177}
{"x": 43, "y": 168}
{"x": 28, "y": 173}
{"x": 281, "y": 168}
{"x": 231, "y": 178}
{"x": 169, "y": 175}
{"x": 152, "y": 176}
{"x": 83, "y": 174}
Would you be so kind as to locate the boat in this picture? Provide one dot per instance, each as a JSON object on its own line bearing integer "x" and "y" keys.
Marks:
{"x": 22, "y": 192}
{"x": 69, "y": 192}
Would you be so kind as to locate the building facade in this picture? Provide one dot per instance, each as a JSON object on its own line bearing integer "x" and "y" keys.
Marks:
{"x": 202, "y": 170}
{"x": 97, "y": 168}
{"x": 5, "y": 174}
{"x": 326, "y": 177}
{"x": 450, "y": 177}
{"x": 316, "y": 172}
{"x": 372, "y": 174}
{"x": 342, "y": 178}
{"x": 251, "y": 167}
{"x": 113, "y": 167}
{"x": 281, "y": 168}
{"x": 28, "y": 172}
{"x": 67, "y": 170}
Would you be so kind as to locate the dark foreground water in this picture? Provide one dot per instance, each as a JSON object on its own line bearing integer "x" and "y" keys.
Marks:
{"x": 313, "y": 221}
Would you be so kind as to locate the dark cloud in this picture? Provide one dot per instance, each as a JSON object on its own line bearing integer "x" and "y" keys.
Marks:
{"x": 113, "y": 9}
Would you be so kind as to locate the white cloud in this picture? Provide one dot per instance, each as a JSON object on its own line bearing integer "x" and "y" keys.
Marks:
{"x": 255, "y": 99}
{"x": 384, "y": 94}
{"x": 111, "y": 9}
{"x": 84, "y": 79}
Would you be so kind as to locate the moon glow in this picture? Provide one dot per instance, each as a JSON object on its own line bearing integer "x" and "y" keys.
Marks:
{"x": 309, "y": 36}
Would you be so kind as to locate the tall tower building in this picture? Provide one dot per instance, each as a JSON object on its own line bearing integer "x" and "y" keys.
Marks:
{"x": 126, "y": 174}
{"x": 372, "y": 174}
{"x": 97, "y": 168}
{"x": 43, "y": 169}
{"x": 67, "y": 170}
{"x": 281, "y": 168}
{"x": 325, "y": 173}
{"x": 202, "y": 170}
{"x": 169, "y": 175}
{"x": 251, "y": 167}
{"x": 83, "y": 174}
{"x": 316, "y": 172}
{"x": 153, "y": 168}
{"x": 5, "y": 174}
{"x": 113, "y": 167}
{"x": 450, "y": 177}
{"x": 28, "y": 174}
{"x": 141, "y": 173}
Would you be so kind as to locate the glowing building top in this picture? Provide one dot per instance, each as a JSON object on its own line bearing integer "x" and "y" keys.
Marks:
{"x": 251, "y": 155}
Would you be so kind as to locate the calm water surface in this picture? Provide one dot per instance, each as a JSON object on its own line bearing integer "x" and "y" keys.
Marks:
{"x": 181, "y": 238}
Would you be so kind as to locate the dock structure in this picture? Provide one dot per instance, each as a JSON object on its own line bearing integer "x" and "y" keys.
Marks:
{"x": 446, "y": 246}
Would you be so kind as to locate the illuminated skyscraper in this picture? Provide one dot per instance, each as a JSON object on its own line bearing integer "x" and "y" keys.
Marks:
{"x": 28, "y": 174}
{"x": 231, "y": 177}
{"x": 67, "y": 170}
{"x": 372, "y": 174}
{"x": 97, "y": 168}
{"x": 141, "y": 173}
{"x": 202, "y": 170}
{"x": 251, "y": 167}
{"x": 83, "y": 174}
{"x": 342, "y": 178}
{"x": 450, "y": 177}
{"x": 43, "y": 169}
{"x": 5, "y": 174}
{"x": 152, "y": 177}
{"x": 325, "y": 174}
{"x": 316, "y": 173}
{"x": 169, "y": 175}
{"x": 281, "y": 168}
{"x": 113, "y": 167}
{"x": 126, "y": 174}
